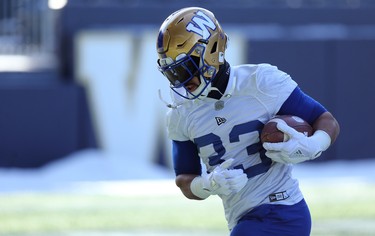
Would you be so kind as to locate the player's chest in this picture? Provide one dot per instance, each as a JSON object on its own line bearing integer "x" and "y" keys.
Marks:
{"x": 235, "y": 115}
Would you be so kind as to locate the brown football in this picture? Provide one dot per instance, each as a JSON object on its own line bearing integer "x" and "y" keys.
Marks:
{"x": 271, "y": 134}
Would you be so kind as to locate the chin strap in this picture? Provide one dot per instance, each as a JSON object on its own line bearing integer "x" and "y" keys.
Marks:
{"x": 203, "y": 89}
{"x": 206, "y": 92}
{"x": 169, "y": 105}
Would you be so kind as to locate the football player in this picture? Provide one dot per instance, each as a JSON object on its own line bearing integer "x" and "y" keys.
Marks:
{"x": 217, "y": 114}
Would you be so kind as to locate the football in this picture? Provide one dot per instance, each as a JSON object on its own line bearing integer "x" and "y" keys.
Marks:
{"x": 271, "y": 134}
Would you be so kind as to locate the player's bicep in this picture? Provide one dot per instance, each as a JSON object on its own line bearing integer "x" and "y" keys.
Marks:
{"x": 302, "y": 105}
{"x": 185, "y": 158}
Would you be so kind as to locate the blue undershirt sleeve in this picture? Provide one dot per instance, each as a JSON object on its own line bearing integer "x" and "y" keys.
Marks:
{"x": 302, "y": 105}
{"x": 185, "y": 158}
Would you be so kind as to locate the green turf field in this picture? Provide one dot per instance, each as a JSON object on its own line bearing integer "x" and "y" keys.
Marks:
{"x": 342, "y": 209}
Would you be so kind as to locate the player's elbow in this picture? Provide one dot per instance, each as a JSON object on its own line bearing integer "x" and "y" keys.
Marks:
{"x": 183, "y": 181}
{"x": 329, "y": 124}
{"x": 336, "y": 129}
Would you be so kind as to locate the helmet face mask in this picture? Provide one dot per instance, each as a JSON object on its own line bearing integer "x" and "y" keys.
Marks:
{"x": 190, "y": 44}
{"x": 184, "y": 69}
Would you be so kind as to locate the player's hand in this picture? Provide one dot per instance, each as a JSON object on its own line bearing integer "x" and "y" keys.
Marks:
{"x": 298, "y": 148}
{"x": 224, "y": 181}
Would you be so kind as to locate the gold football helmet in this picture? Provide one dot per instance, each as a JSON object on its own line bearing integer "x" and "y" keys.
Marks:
{"x": 190, "y": 43}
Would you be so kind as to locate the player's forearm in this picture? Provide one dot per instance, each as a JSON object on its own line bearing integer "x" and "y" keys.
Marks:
{"x": 329, "y": 124}
{"x": 183, "y": 181}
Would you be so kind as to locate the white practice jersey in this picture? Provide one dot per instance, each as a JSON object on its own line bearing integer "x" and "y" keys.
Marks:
{"x": 253, "y": 96}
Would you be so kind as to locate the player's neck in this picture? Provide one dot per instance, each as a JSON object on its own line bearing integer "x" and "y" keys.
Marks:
{"x": 220, "y": 81}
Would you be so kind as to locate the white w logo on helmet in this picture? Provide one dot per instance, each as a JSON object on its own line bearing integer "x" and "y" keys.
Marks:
{"x": 200, "y": 25}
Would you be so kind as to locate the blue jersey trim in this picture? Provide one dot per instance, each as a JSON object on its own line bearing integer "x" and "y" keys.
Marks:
{"x": 302, "y": 105}
{"x": 185, "y": 158}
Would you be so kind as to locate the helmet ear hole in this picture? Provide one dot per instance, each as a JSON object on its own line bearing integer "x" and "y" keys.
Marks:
{"x": 214, "y": 48}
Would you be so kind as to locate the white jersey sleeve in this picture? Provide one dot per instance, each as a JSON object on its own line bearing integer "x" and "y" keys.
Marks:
{"x": 267, "y": 83}
{"x": 175, "y": 127}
